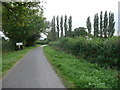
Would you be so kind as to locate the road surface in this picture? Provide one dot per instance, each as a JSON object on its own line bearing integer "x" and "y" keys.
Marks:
{"x": 33, "y": 71}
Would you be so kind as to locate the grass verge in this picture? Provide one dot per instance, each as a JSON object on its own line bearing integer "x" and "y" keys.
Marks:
{"x": 11, "y": 58}
{"x": 77, "y": 73}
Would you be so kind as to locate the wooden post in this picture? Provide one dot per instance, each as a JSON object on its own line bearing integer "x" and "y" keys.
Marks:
{"x": 19, "y": 47}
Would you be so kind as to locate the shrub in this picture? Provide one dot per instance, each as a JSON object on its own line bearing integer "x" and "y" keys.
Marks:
{"x": 7, "y": 46}
{"x": 97, "y": 50}
{"x": 42, "y": 42}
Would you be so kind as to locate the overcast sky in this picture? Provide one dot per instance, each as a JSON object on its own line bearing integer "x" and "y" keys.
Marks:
{"x": 80, "y": 9}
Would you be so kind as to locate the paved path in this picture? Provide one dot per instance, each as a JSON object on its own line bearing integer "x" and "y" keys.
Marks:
{"x": 33, "y": 71}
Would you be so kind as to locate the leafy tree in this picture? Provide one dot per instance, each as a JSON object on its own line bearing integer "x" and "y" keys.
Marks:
{"x": 81, "y": 31}
{"x": 88, "y": 24}
{"x": 70, "y": 26}
{"x": 39, "y": 27}
{"x": 111, "y": 26}
{"x": 57, "y": 26}
{"x": 65, "y": 25}
{"x": 101, "y": 24}
{"x": 21, "y": 20}
{"x": 61, "y": 25}
{"x": 105, "y": 24}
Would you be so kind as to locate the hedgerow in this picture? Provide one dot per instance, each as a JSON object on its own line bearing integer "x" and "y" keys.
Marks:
{"x": 96, "y": 50}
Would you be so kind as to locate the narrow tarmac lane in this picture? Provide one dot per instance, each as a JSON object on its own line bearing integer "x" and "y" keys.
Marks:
{"x": 33, "y": 71}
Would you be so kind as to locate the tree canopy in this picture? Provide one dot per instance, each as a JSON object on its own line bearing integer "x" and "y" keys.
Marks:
{"x": 22, "y": 20}
{"x": 81, "y": 31}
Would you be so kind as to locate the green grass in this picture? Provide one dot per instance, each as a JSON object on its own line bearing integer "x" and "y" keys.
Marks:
{"x": 78, "y": 73}
{"x": 11, "y": 58}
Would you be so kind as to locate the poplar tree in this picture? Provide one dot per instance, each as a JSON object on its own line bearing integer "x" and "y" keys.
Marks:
{"x": 88, "y": 24}
{"x": 65, "y": 25}
{"x": 101, "y": 24}
{"x": 57, "y": 26}
{"x": 70, "y": 25}
{"x": 96, "y": 25}
{"x": 53, "y": 29}
{"x": 105, "y": 24}
{"x": 61, "y": 25}
{"x": 111, "y": 25}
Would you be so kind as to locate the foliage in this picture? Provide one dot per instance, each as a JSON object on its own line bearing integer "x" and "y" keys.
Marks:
{"x": 22, "y": 20}
{"x": 7, "y": 46}
{"x": 53, "y": 30}
{"x": 103, "y": 52}
{"x": 96, "y": 25}
{"x": 58, "y": 31}
{"x": 65, "y": 25}
{"x": 61, "y": 25}
{"x": 88, "y": 24}
{"x": 42, "y": 42}
{"x": 81, "y": 31}
{"x": 101, "y": 24}
{"x": 31, "y": 40}
{"x": 69, "y": 26}
{"x": 105, "y": 24}
{"x": 60, "y": 28}
{"x": 77, "y": 73}
{"x": 111, "y": 26}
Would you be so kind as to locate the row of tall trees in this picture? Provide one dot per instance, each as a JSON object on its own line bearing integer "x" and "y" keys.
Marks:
{"x": 60, "y": 27}
{"x": 103, "y": 26}
{"x": 22, "y": 21}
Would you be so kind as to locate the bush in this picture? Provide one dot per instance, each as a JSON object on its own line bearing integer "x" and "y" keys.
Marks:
{"x": 42, "y": 42}
{"x": 7, "y": 46}
{"x": 97, "y": 50}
